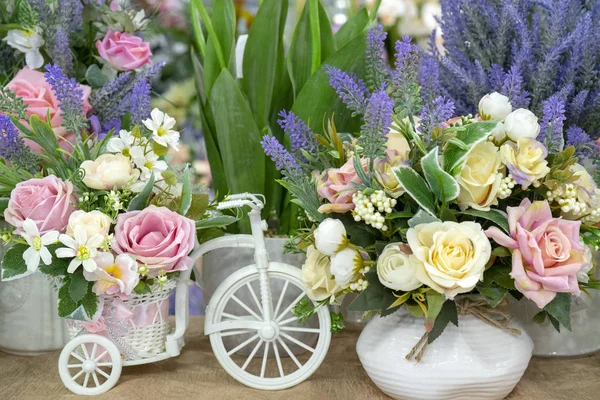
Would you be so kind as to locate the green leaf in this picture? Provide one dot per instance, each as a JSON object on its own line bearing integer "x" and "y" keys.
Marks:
{"x": 416, "y": 187}
{"x": 447, "y": 314}
{"x": 443, "y": 185}
{"x": 356, "y": 25}
{"x": 493, "y": 294}
{"x": 204, "y": 235}
{"x": 495, "y": 216}
{"x": 399, "y": 214}
{"x": 374, "y": 297}
{"x": 95, "y": 77}
{"x": 435, "y": 302}
{"x": 186, "y": 192}
{"x": 539, "y": 318}
{"x": 415, "y": 310}
{"x": 499, "y": 274}
{"x": 142, "y": 288}
{"x": 198, "y": 207}
{"x": 3, "y": 204}
{"x": 265, "y": 43}
{"x": 13, "y": 265}
{"x": 66, "y": 305}
{"x": 215, "y": 222}
{"x": 470, "y": 135}
{"x": 421, "y": 217}
{"x": 501, "y": 252}
{"x": 242, "y": 155}
{"x": 299, "y": 55}
{"x": 554, "y": 322}
{"x": 159, "y": 149}
{"x": 78, "y": 287}
{"x": 140, "y": 201}
{"x": 317, "y": 100}
{"x": 224, "y": 23}
{"x": 560, "y": 309}
{"x": 90, "y": 302}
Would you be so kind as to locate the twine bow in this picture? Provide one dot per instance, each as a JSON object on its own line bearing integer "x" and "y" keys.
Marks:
{"x": 498, "y": 317}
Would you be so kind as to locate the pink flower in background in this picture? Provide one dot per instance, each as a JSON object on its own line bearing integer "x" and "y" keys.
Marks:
{"x": 32, "y": 87}
{"x": 114, "y": 276}
{"x": 157, "y": 236}
{"x": 47, "y": 201}
{"x": 547, "y": 253}
{"x": 336, "y": 186}
{"x": 95, "y": 326}
{"x": 124, "y": 51}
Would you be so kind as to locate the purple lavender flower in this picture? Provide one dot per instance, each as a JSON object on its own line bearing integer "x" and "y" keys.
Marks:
{"x": 585, "y": 147}
{"x": 351, "y": 90}
{"x": 433, "y": 115}
{"x": 404, "y": 79}
{"x": 301, "y": 136}
{"x": 283, "y": 159}
{"x": 138, "y": 101}
{"x": 512, "y": 87}
{"x": 13, "y": 148}
{"x": 376, "y": 65}
{"x": 60, "y": 51}
{"x": 377, "y": 122}
{"x": 407, "y": 59}
{"x": 70, "y": 95}
{"x": 551, "y": 127}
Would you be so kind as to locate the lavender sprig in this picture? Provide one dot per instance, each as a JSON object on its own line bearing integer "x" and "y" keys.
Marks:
{"x": 60, "y": 51}
{"x": 377, "y": 122}
{"x": 13, "y": 148}
{"x": 351, "y": 90}
{"x": 376, "y": 65}
{"x": 432, "y": 115}
{"x": 585, "y": 147}
{"x": 404, "y": 82}
{"x": 551, "y": 127}
{"x": 70, "y": 95}
{"x": 138, "y": 102}
{"x": 301, "y": 136}
{"x": 283, "y": 159}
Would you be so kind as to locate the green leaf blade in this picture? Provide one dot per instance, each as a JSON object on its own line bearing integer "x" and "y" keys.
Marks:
{"x": 443, "y": 185}
{"x": 469, "y": 135}
{"x": 559, "y": 309}
{"x": 416, "y": 187}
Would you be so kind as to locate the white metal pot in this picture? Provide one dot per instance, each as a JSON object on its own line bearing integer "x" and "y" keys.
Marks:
{"x": 471, "y": 361}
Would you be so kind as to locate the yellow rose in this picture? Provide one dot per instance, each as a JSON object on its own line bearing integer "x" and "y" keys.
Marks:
{"x": 109, "y": 171}
{"x": 397, "y": 153}
{"x": 480, "y": 178}
{"x": 93, "y": 222}
{"x": 525, "y": 160}
{"x": 450, "y": 256}
{"x": 316, "y": 275}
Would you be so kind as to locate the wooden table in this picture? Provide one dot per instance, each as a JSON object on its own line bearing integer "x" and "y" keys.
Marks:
{"x": 196, "y": 374}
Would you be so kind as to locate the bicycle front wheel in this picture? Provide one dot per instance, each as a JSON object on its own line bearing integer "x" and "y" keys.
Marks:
{"x": 267, "y": 353}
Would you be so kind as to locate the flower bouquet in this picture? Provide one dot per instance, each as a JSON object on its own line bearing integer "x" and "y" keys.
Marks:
{"x": 430, "y": 216}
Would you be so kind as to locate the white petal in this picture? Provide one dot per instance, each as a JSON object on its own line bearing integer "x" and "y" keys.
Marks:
{"x": 73, "y": 265}
{"x": 151, "y": 125}
{"x": 34, "y": 59}
{"x": 160, "y": 166}
{"x": 30, "y": 228}
{"x": 95, "y": 241}
{"x": 65, "y": 252}
{"x": 68, "y": 241}
{"x": 115, "y": 145}
{"x": 46, "y": 256}
{"x": 168, "y": 122}
{"x": 90, "y": 265}
{"x": 50, "y": 238}
{"x": 157, "y": 116}
{"x": 32, "y": 259}
{"x": 162, "y": 140}
{"x": 80, "y": 235}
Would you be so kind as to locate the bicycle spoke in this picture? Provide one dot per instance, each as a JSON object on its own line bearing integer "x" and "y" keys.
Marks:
{"x": 101, "y": 372}
{"x": 278, "y": 360}
{"x": 281, "y": 296}
{"x": 245, "y": 307}
{"x": 287, "y": 321}
{"x": 242, "y": 345}
{"x": 296, "y": 341}
{"x": 77, "y": 356}
{"x": 287, "y": 349}
{"x": 251, "y": 356}
{"x": 299, "y": 329}
{"x": 86, "y": 379}
{"x": 263, "y": 368}
{"x": 85, "y": 352}
{"x": 75, "y": 366}
{"x": 287, "y": 310}
{"x": 106, "y": 364}
{"x": 254, "y": 297}
{"x": 94, "y": 351}
{"x": 96, "y": 381}
{"x": 77, "y": 375}
{"x": 105, "y": 352}
{"x": 234, "y": 333}
{"x": 231, "y": 316}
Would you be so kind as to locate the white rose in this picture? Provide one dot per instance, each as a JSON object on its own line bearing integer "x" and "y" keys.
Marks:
{"x": 93, "y": 222}
{"x": 521, "y": 124}
{"x": 582, "y": 274}
{"x": 396, "y": 268}
{"x": 344, "y": 266}
{"x": 109, "y": 171}
{"x": 316, "y": 275}
{"x": 330, "y": 236}
{"x": 494, "y": 106}
{"x": 452, "y": 256}
{"x": 498, "y": 135}
{"x": 480, "y": 178}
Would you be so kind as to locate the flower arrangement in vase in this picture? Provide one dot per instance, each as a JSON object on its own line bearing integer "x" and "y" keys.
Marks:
{"x": 436, "y": 219}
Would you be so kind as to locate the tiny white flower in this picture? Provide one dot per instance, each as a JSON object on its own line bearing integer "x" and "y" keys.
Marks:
{"x": 28, "y": 42}
{"x": 161, "y": 126}
{"x": 82, "y": 249}
{"x": 37, "y": 243}
{"x": 148, "y": 163}
{"x": 121, "y": 144}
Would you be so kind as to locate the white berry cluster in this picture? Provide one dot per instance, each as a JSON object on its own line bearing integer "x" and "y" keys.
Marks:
{"x": 506, "y": 187}
{"x": 369, "y": 208}
{"x": 566, "y": 197}
{"x": 359, "y": 285}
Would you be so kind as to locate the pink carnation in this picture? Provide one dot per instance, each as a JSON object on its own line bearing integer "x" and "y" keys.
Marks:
{"x": 124, "y": 51}
{"x": 547, "y": 253}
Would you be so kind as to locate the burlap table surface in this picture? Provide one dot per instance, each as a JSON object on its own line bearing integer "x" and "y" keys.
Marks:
{"x": 196, "y": 374}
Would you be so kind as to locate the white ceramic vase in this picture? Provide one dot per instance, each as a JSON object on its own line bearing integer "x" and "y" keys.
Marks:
{"x": 473, "y": 361}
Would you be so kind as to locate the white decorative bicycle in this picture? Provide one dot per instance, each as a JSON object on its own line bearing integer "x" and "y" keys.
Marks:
{"x": 91, "y": 364}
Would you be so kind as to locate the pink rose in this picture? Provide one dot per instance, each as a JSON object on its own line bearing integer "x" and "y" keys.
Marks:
{"x": 336, "y": 186}
{"x": 32, "y": 87}
{"x": 157, "y": 237}
{"x": 47, "y": 201}
{"x": 547, "y": 253}
{"x": 95, "y": 327}
{"x": 124, "y": 51}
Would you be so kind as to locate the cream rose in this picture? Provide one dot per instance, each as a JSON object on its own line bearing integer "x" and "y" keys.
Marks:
{"x": 521, "y": 124}
{"x": 109, "y": 171}
{"x": 451, "y": 256}
{"x": 396, "y": 268}
{"x": 480, "y": 178}
{"x": 93, "y": 222}
{"x": 525, "y": 160}
{"x": 316, "y": 275}
{"x": 494, "y": 106}
{"x": 330, "y": 236}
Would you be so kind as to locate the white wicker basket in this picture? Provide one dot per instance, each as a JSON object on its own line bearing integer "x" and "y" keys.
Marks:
{"x": 143, "y": 333}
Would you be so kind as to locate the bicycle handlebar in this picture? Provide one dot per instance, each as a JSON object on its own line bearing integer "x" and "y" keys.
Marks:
{"x": 242, "y": 199}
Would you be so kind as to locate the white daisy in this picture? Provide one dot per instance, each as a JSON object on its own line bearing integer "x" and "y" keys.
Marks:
{"x": 82, "y": 249}
{"x": 161, "y": 126}
{"x": 148, "y": 164}
{"x": 37, "y": 243}
{"x": 28, "y": 42}
{"x": 121, "y": 144}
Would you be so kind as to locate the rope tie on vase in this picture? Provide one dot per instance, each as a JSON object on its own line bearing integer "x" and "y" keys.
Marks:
{"x": 498, "y": 317}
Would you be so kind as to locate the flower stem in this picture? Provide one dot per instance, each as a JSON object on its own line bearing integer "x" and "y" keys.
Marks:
{"x": 315, "y": 34}
{"x": 197, "y": 29}
{"x": 375, "y": 9}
